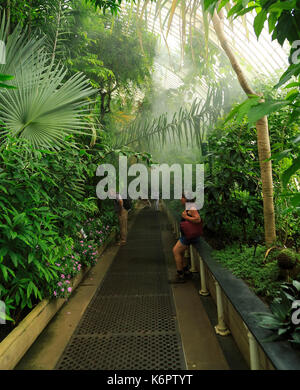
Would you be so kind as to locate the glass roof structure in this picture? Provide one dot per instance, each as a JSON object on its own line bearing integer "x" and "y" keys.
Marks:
{"x": 258, "y": 58}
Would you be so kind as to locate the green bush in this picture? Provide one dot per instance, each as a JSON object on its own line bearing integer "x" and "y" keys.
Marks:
{"x": 45, "y": 200}
{"x": 283, "y": 320}
{"x": 233, "y": 202}
{"x": 248, "y": 264}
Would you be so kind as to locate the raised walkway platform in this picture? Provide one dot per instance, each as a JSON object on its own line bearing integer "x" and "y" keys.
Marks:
{"x": 126, "y": 316}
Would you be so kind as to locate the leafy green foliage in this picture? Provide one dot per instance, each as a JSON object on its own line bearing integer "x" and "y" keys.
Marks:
{"x": 187, "y": 126}
{"x": 84, "y": 253}
{"x": 283, "y": 16}
{"x": 200, "y": 64}
{"x": 284, "y": 24}
{"x": 45, "y": 199}
{"x": 42, "y": 109}
{"x": 112, "y": 5}
{"x": 281, "y": 320}
{"x": 108, "y": 50}
{"x": 233, "y": 204}
{"x": 253, "y": 110}
{"x": 248, "y": 263}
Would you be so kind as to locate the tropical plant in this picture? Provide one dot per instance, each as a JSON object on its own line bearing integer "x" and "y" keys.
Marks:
{"x": 284, "y": 319}
{"x": 43, "y": 108}
{"x": 46, "y": 199}
{"x": 188, "y": 125}
{"x": 283, "y": 21}
{"x": 261, "y": 123}
{"x": 107, "y": 50}
{"x": 233, "y": 204}
{"x": 247, "y": 262}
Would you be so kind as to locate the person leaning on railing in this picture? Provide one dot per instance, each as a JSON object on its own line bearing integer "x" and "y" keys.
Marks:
{"x": 183, "y": 243}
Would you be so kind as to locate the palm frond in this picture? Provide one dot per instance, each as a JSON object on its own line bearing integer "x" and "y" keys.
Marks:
{"x": 183, "y": 127}
{"x": 43, "y": 108}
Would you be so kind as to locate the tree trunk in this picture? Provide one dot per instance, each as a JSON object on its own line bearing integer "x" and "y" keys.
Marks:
{"x": 263, "y": 139}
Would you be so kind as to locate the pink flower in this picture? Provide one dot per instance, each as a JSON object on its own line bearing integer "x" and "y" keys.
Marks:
{"x": 54, "y": 293}
{"x": 62, "y": 289}
{"x": 57, "y": 264}
{"x": 67, "y": 281}
{"x": 69, "y": 276}
{"x": 59, "y": 284}
{"x": 62, "y": 276}
{"x": 69, "y": 289}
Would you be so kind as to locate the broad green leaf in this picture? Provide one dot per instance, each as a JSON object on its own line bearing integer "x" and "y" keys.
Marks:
{"x": 44, "y": 108}
{"x": 282, "y": 331}
{"x": 4, "y": 271}
{"x": 291, "y": 85}
{"x": 290, "y": 171}
{"x": 15, "y": 258}
{"x": 259, "y": 22}
{"x": 31, "y": 257}
{"x": 235, "y": 9}
{"x": 272, "y": 20}
{"x": 3, "y": 251}
{"x": 293, "y": 94}
{"x": 262, "y": 109}
{"x": 283, "y": 5}
{"x": 296, "y": 284}
{"x": 293, "y": 70}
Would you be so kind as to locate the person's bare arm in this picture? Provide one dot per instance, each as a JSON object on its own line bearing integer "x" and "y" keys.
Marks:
{"x": 195, "y": 217}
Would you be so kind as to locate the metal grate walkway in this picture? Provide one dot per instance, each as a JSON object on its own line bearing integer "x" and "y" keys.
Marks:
{"x": 130, "y": 324}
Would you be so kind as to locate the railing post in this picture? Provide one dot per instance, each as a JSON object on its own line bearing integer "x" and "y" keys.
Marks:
{"x": 253, "y": 350}
{"x": 192, "y": 256}
{"x": 221, "y": 327}
{"x": 203, "y": 290}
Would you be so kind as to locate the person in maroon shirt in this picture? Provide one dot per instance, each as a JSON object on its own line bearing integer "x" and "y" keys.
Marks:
{"x": 183, "y": 243}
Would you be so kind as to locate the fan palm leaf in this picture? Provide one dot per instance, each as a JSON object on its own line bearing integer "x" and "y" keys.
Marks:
{"x": 44, "y": 108}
